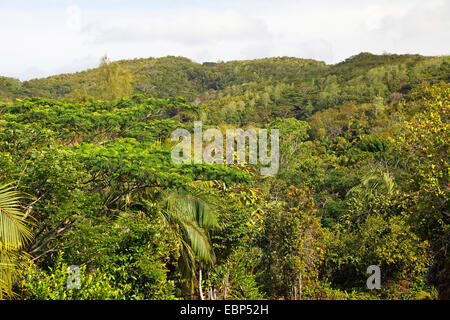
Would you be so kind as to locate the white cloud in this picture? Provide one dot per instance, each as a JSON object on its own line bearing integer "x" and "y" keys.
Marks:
{"x": 52, "y": 39}
{"x": 189, "y": 28}
{"x": 74, "y": 18}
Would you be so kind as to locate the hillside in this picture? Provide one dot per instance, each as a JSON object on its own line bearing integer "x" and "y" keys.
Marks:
{"x": 177, "y": 76}
{"x": 362, "y": 180}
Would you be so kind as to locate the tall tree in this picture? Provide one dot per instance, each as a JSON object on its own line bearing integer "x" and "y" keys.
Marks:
{"x": 190, "y": 218}
{"x": 115, "y": 80}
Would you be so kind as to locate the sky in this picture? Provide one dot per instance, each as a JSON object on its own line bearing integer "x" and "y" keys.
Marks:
{"x": 39, "y": 38}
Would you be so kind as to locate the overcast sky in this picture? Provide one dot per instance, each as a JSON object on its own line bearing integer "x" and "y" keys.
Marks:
{"x": 45, "y": 37}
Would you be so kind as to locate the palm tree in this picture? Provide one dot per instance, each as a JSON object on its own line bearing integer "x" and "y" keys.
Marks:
{"x": 14, "y": 233}
{"x": 190, "y": 218}
{"x": 372, "y": 185}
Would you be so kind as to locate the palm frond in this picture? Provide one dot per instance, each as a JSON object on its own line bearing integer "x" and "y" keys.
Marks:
{"x": 372, "y": 185}
{"x": 14, "y": 233}
{"x": 13, "y": 228}
{"x": 190, "y": 218}
{"x": 192, "y": 207}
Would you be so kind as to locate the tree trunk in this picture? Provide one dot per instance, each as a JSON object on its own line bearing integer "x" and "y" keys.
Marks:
{"x": 211, "y": 290}
{"x": 300, "y": 287}
{"x": 200, "y": 290}
{"x": 211, "y": 293}
{"x": 227, "y": 275}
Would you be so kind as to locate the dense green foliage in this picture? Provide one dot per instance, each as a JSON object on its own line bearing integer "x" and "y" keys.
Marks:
{"x": 363, "y": 179}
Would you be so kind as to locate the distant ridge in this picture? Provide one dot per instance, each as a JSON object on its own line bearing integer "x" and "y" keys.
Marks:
{"x": 179, "y": 76}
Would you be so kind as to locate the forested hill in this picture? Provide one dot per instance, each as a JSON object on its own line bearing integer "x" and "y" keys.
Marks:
{"x": 362, "y": 181}
{"x": 360, "y": 76}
